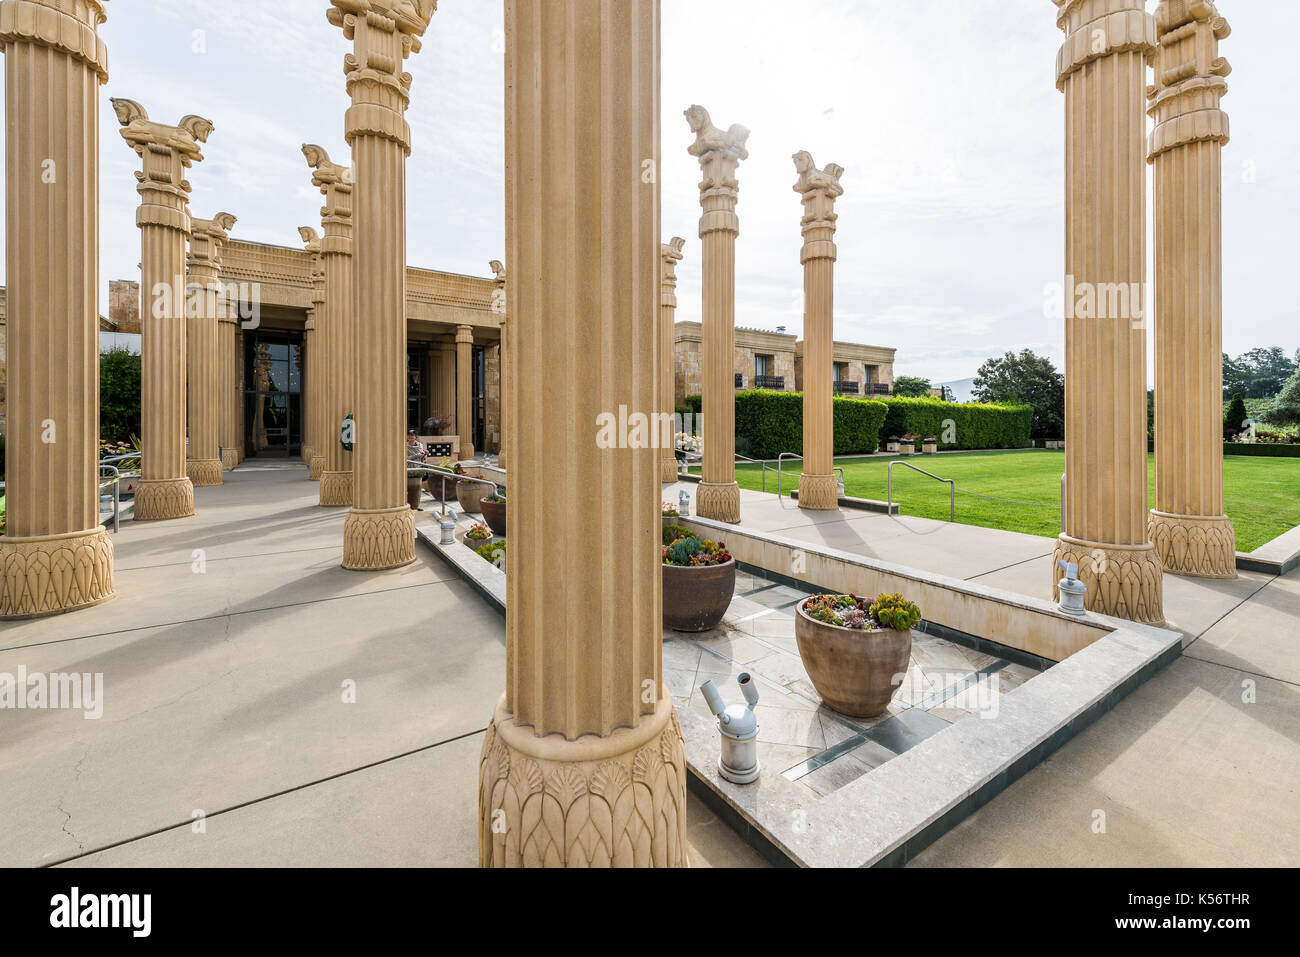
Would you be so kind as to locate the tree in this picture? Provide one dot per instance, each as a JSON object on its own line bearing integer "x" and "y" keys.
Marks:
{"x": 1028, "y": 378}
{"x": 1285, "y": 409}
{"x": 1234, "y": 419}
{"x": 1236, "y": 376}
{"x": 1267, "y": 370}
{"x": 911, "y": 387}
{"x": 119, "y": 396}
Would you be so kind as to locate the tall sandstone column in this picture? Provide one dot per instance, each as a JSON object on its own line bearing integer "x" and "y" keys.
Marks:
{"x": 719, "y": 154}
{"x": 380, "y": 529}
{"x": 818, "y": 488}
{"x": 202, "y": 347}
{"x": 54, "y": 557}
{"x": 499, "y": 306}
{"x": 444, "y": 378}
{"x": 465, "y": 389}
{"x": 228, "y": 362}
{"x": 670, "y": 254}
{"x": 1188, "y": 525}
{"x": 583, "y": 762}
{"x": 334, "y": 326}
{"x": 164, "y": 490}
{"x": 313, "y": 396}
{"x": 1101, "y": 70}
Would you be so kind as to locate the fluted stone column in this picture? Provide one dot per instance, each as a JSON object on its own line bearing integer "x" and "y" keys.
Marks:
{"x": 583, "y": 762}
{"x": 228, "y": 361}
{"x": 499, "y": 303}
{"x": 380, "y": 529}
{"x": 1101, "y": 70}
{"x": 670, "y": 254}
{"x": 313, "y": 415}
{"x": 54, "y": 557}
{"x": 444, "y": 379}
{"x": 1188, "y": 525}
{"x": 818, "y": 489}
{"x": 202, "y": 348}
{"x": 465, "y": 390}
{"x": 164, "y": 490}
{"x": 334, "y": 322}
{"x": 719, "y": 154}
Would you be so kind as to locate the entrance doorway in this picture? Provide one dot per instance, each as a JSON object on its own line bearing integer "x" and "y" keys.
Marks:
{"x": 273, "y": 363}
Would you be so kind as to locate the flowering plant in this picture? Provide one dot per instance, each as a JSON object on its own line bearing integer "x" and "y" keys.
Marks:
{"x": 670, "y": 510}
{"x": 479, "y": 533}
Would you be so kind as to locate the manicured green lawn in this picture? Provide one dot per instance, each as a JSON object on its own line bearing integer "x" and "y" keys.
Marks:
{"x": 1263, "y": 494}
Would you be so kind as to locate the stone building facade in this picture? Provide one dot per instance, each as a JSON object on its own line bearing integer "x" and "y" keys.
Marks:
{"x": 773, "y": 360}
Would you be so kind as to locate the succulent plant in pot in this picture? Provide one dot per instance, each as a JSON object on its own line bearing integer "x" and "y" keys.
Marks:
{"x": 856, "y": 651}
{"x": 699, "y": 580}
{"x": 494, "y": 510}
{"x": 479, "y": 534}
{"x": 414, "y": 487}
{"x": 469, "y": 493}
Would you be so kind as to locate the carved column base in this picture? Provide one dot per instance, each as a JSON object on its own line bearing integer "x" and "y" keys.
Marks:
{"x": 501, "y": 458}
{"x": 204, "y": 473}
{"x": 335, "y": 489}
{"x": 317, "y": 466}
{"x": 229, "y": 459}
{"x": 378, "y": 538}
{"x": 159, "y": 500}
{"x": 669, "y": 471}
{"x": 819, "y": 492}
{"x": 1197, "y": 545}
{"x": 1124, "y": 581}
{"x": 466, "y": 451}
{"x": 718, "y": 502}
{"x": 618, "y": 801}
{"x": 307, "y": 454}
{"x": 55, "y": 573}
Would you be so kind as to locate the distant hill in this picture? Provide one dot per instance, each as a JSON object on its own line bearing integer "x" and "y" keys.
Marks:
{"x": 959, "y": 390}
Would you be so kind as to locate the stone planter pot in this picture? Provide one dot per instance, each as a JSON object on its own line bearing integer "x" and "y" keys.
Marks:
{"x": 891, "y": 447}
{"x": 906, "y": 448}
{"x": 494, "y": 513}
{"x": 695, "y": 599}
{"x": 930, "y": 448}
{"x": 469, "y": 495}
{"x": 414, "y": 488}
{"x": 443, "y": 488}
{"x": 855, "y": 672}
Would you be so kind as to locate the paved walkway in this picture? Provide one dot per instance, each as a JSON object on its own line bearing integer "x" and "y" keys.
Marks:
{"x": 1199, "y": 767}
{"x": 311, "y": 716}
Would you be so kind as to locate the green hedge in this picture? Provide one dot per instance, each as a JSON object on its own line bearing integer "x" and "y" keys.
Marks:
{"x": 1262, "y": 448}
{"x": 693, "y": 402}
{"x": 769, "y": 423}
{"x": 977, "y": 425}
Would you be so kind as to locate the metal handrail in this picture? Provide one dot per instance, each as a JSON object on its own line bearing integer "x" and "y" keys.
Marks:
{"x": 699, "y": 459}
{"x": 415, "y": 465}
{"x": 780, "y": 463}
{"x": 952, "y": 487}
{"x": 110, "y": 474}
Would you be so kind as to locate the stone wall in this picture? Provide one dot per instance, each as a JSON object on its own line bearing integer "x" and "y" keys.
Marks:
{"x": 124, "y": 305}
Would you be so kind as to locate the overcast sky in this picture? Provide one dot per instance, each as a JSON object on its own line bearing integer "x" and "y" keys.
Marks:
{"x": 943, "y": 112}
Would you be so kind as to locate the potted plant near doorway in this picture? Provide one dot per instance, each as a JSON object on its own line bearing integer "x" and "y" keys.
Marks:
{"x": 414, "y": 488}
{"x": 856, "y": 651}
{"x": 699, "y": 581}
{"x": 494, "y": 510}
{"x": 469, "y": 493}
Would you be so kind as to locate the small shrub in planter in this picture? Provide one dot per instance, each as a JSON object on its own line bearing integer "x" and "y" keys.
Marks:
{"x": 479, "y": 533}
{"x": 494, "y": 510}
{"x": 856, "y": 651}
{"x": 930, "y": 446}
{"x": 670, "y": 510}
{"x": 414, "y": 488}
{"x": 892, "y": 444}
{"x": 494, "y": 553}
{"x": 673, "y": 532}
{"x": 699, "y": 581}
